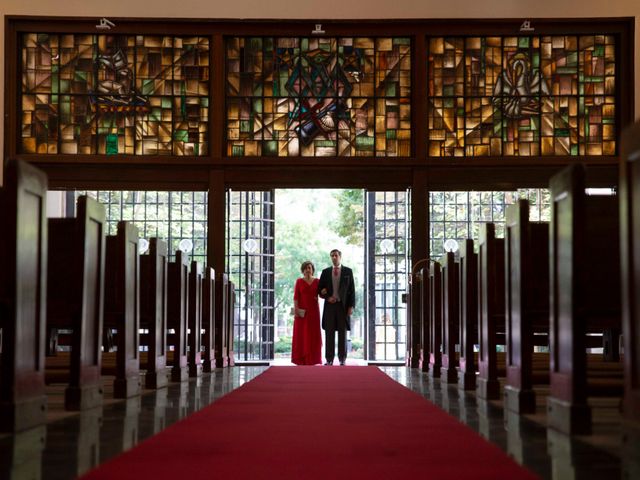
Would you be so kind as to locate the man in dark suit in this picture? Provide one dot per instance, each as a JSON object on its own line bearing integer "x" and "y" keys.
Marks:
{"x": 337, "y": 288}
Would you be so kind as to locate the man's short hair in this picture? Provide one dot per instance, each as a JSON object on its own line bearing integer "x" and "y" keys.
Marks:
{"x": 335, "y": 250}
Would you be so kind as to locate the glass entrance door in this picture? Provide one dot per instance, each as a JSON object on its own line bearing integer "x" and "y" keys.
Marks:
{"x": 387, "y": 264}
{"x": 250, "y": 264}
{"x": 250, "y": 261}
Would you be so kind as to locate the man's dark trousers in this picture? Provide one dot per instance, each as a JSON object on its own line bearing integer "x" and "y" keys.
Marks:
{"x": 335, "y": 320}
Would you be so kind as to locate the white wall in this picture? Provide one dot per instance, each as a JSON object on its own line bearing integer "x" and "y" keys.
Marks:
{"x": 323, "y": 9}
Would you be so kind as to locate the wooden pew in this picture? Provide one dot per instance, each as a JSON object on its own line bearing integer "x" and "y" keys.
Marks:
{"x": 490, "y": 310}
{"x": 177, "y": 315}
{"x": 231, "y": 320}
{"x": 21, "y": 453}
{"x": 23, "y": 284}
{"x": 76, "y": 294}
{"x": 420, "y": 288}
{"x": 221, "y": 321}
{"x": 468, "y": 316}
{"x": 435, "y": 320}
{"x": 194, "y": 357}
{"x": 630, "y": 261}
{"x": 585, "y": 293}
{"x": 122, "y": 308}
{"x": 153, "y": 312}
{"x": 208, "y": 319}
{"x": 450, "y": 317}
{"x": 413, "y": 349}
{"x": 527, "y": 302}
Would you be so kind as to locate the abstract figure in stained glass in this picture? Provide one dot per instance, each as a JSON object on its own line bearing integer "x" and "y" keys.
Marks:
{"x": 343, "y": 96}
{"x": 317, "y": 84}
{"x": 518, "y": 88}
{"x": 114, "y": 85}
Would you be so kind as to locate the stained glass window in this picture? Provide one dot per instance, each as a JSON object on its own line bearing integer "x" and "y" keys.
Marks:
{"x": 114, "y": 94}
{"x": 521, "y": 95}
{"x": 329, "y": 96}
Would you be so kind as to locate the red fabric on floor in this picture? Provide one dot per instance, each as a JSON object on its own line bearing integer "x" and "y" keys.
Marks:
{"x": 316, "y": 423}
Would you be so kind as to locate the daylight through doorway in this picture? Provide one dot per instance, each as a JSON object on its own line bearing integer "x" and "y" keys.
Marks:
{"x": 270, "y": 233}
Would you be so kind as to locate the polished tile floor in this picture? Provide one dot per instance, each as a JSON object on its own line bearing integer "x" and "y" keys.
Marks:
{"x": 546, "y": 452}
{"x": 71, "y": 444}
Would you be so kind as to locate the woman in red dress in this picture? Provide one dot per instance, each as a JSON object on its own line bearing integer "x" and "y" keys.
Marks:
{"x": 307, "y": 340}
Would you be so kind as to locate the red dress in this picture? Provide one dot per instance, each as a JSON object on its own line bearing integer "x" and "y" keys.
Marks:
{"x": 307, "y": 341}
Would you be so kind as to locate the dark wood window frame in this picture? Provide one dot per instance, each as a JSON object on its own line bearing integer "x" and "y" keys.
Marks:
{"x": 91, "y": 171}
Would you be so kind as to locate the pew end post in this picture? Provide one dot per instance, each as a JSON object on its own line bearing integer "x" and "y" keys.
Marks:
{"x": 468, "y": 316}
{"x": 630, "y": 263}
{"x": 490, "y": 309}
{"x": 23, "y": 287}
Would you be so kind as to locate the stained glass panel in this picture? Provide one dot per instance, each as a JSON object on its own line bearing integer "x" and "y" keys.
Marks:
{"x": 446, "y": 127}
{"x": 328, "y": 96}
{"x": 521, "y": 95}
{"x": 115, "y": 94}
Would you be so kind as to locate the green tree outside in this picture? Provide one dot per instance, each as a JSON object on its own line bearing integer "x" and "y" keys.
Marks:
{"x": 310, "y": 223}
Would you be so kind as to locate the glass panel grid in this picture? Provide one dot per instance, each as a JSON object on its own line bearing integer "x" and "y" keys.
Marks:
{"x": 388, "y": 257}
{"x": 250, "y": 244}
{"x": 521, "y": 95}
{"x": 171, "y": 216}
{"x": 318, "y": 96}
{"x": 114, "y": 94}
{"x": 458, "y": 215}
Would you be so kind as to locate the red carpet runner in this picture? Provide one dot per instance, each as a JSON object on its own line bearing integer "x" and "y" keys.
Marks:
{"x": 316, "y": 423}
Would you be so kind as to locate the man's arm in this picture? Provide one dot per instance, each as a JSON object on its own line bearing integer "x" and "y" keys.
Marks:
{"x": 352, "y": 294}
{"x": 323, "y": 289}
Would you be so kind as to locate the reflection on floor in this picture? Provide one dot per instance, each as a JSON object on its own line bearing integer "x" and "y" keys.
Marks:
{"x": 285, "y": 362}
{"x": 548, "y": 453}
{"x": 71, "y": 444}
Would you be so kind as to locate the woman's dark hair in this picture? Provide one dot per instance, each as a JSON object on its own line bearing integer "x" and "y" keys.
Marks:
{"x": 304, "y": 265}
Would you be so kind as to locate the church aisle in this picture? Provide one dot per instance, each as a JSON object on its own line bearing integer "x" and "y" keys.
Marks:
{"x": 308, "y": 422}
{"x": 78, "y": 442}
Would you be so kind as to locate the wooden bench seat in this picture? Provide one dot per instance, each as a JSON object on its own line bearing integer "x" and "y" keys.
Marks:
{"x": 75, "y": 300}
{"x": 450, "y": 317}
{"x": 194, "y": 320}
{"x": 419, "y": 290}
{"x": 23, "y": 287}
{"x": 468, "y": 329}
{"x": 223, "y": 304}
{"x": 585, "y": 296}
{"x": 630, "y": 261}
{"x": 153, "y": 313}
{"x": 491, "y": 310}
{"x": 177, "y": 315}
{"x": 122, "y": 307}
{"x": 230, "y": 320}
{"x": 208, "y": 319}
{"x": 435, "y": 320}
{"x": 526, "y": 305}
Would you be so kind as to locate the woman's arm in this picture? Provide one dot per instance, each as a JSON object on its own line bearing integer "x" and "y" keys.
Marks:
{"x": 296, "y": 295}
